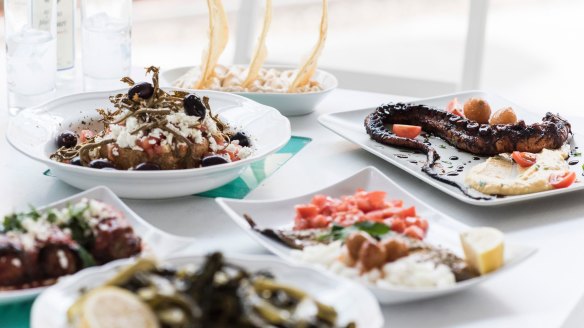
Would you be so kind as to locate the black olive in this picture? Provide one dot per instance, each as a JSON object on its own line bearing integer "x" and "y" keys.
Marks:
{"x": 242, "y": 138}
{"x": 147, "y": 167}
{"x": 213, "y": 160}
{"x": 101, "y": 164}
{"x": 66, "y": 139}
{"x": 194, "y": 106}
{"x": 76, "y": 161}
{"x": 140, "y": 91}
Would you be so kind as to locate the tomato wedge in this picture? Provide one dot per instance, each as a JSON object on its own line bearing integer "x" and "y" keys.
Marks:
{"x": 406, "y": 131}
{"x": 562, "y": 180}
{"x": 455, "y": 107}
{"x": 524, "y": 159}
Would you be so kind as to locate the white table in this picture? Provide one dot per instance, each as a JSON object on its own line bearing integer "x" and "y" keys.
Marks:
{"x": 539, "y": 293}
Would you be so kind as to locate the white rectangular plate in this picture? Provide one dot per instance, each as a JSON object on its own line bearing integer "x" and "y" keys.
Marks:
{"x": 443, "y": 230}
{"x": 156, "y": 242}
{"x": 350, "y": 125}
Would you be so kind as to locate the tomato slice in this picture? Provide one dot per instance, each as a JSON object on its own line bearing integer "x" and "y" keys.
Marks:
{"x": 453, "y": 104}
{"x": 455, "y": 107}
{"x": 406, "y": 131}
{"x": 562, "y": 180}
{"x": 524, "y": 159}
{"x": 458, "y": 112}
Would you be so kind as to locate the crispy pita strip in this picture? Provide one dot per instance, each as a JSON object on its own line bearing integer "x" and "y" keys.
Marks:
{"x": 261, "y": 52}
{"x": 307, "y": 69}
{"x": 218, "y": 37}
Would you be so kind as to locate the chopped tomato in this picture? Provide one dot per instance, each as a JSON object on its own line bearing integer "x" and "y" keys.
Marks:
{"x": 562, "y": 180}
{"x": 323, "y": 211}
{"x": 418, "y": 222}
{"x": 524, "y": 159}
{"x": 396, "y": 203}
{"x": 86, "y": 134}
{"x": 414, "y": 232}
{"x": 406, "y": 131}
{"x": 319, "y": 200}
{"x": 306, "y": 211}
{"x": 320, "y": 221}
{"x": 376, "y": 199}
{"x": 404, "y": 213}
{"x": 398, "y": 225}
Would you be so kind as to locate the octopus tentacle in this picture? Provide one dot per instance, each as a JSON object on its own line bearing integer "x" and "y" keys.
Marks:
{"x": 479, "y": 139}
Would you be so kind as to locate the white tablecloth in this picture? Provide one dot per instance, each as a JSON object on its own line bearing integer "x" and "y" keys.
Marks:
{"x": 539, "y": 293}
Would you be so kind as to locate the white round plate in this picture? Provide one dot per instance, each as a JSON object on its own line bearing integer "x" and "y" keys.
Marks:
{"x": 444, "y": 231}
{"x": 352, "y": 302}
{"x": 289, "y": 104}
{"x": 33, "y": 132}
{"x": 156, "y": 242}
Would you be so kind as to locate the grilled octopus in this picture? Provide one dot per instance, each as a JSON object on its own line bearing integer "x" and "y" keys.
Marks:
{"x": 479, "y": 139}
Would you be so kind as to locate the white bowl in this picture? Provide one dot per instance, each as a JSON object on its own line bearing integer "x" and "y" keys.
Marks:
{"x": 33, "y": 132}
{"x": 289, "y": 104}
{"x": 443, "y": 231}
{"x": 157, "y": 242}
{"x": 50, "y": 309}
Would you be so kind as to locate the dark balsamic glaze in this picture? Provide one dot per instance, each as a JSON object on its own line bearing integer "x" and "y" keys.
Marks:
{"x": 453, "y": 158}
{"x": 573, "y": 162}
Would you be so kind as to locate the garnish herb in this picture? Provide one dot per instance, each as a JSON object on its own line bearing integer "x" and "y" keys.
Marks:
{"x": 338, "y": 232}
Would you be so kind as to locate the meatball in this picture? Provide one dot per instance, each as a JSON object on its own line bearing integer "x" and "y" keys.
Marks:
{"x": 115, "y": 240}
{"x": 504, "y": 116}
{"x": 11, "y": 270}
{"x": 58, "y": 260}
{"x": 478, "y": 110}
{"x": 395, "y": 249}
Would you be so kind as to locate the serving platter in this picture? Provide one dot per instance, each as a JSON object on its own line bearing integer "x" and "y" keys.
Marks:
{"x": 444, "y": 231}
{"x": 156, "y": 242}
{"x": 289, "y": 104}
{"x": 50, "y": 308}
{"x": 350, "y": 125}
{"x": 33, "y": 132}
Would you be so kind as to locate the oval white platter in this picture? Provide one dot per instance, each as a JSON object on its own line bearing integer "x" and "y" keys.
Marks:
{"x": 33, "y": 132}
{"x": 289, "y": 104}
{"x": 444, "y": 231}
{"x": 156, "y": 242}
{"x": 50, "y": 308}
{"x": 349, "y": 125}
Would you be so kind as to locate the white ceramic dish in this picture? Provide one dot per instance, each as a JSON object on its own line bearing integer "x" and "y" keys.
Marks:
{"x": 350, "y": 126}
{"x": 157, "y": 242}
{"x": 33, "y": 132}
{"x": 289, "y": 104}
{"x": 443, "y": 230}
{"x": 50, "y": 309}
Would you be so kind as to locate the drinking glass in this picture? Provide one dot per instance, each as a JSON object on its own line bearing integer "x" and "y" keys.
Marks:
{"x": 31, "y": 51}
{"x": 106, "y": 42}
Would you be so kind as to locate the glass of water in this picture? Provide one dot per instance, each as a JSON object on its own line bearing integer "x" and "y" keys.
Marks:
{"x": 31, "y": 51}
{"x": 106, "y": 42}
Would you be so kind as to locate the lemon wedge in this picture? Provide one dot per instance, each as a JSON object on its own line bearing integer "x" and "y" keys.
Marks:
{"x": 483, "y": 248}
{"x": 111, "y": 307}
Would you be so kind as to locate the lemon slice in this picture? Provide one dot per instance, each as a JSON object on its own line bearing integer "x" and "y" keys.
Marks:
{"x": 483, "y": 248}
{"x": 112, "y": 307}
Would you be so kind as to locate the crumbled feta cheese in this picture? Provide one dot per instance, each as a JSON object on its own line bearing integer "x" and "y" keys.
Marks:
{"x": 63, "y": 262}
{"x": 244, "y": 152}
{"x": 16, "y": 262}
